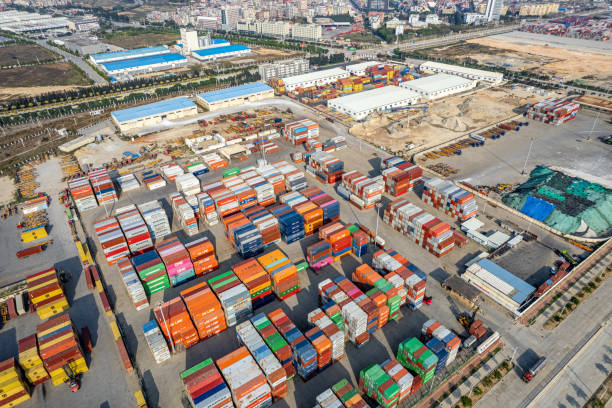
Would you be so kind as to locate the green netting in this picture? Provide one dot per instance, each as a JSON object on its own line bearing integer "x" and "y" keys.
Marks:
{"x": 562, "y": 222}
{"x": 551, "y": 192}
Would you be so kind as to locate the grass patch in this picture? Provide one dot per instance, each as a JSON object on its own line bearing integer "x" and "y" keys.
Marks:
{"x": 22, "y": 54}
{"x": 61, "y": 73}
{"x": 128, "y": 39}
{"x": 486, "y": 384}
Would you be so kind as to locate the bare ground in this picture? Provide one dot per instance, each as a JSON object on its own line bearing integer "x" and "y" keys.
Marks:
{"x": 61, "y": 73}
{"x": 12, "y": 93}
{"x": 7, "y": 190}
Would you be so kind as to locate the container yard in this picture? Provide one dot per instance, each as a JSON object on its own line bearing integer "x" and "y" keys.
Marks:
{"x": 582, "y": 27}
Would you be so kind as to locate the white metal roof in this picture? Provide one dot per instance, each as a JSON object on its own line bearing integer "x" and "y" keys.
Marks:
{"x": 472, "y": 224}
{"x": 314, "y": 76}
{"x": 497, "y": 239}
{"x": 434, "y": 83}
{"x": 362, "y": 66}
{"x": 457, "y": 68}
{"x": 374, "y": 98}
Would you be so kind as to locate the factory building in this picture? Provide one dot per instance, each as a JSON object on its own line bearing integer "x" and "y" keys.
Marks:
{"x": 500, "y": 285}
{"x": 24, "y": 22}
{"x": 360, "y": 69}
{"x": 362, "y": 104}
{"x": 464, "y": 72}
{"x": 128, "y": 54}
{"x": 439, "y": 85}
{"x": 315, "y": 78}
{"x": 281, "y": 69}
{"x": 153, "y": 114}
{"x": 234, "y": 96}
{"x": 146, "y": 64}
{"x": 216, "y": 53}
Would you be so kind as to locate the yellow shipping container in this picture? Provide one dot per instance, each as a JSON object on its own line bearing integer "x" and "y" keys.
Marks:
{"x": 15, "y": 402}
{"x": 48, "y": 295}
{"x": 36, "y": 373}
{"x": 34, "y": 234}
{"x": 42, "y": 333}
{"x": 57, "y": 307}
{"x": 37, "y": 277}
{"x": 78, "y": 366}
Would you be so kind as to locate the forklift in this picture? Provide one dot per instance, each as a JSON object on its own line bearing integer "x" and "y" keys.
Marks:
{"x": 74, "y": 380}
{"x": 465, "y": 319}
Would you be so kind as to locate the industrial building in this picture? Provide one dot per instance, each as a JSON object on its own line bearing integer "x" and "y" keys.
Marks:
{"x": 360, "y": 69}
{"x": 361, "y": 104}
{"x": 224, "y": 98}
{"x": 190, "y": 41}
{"x": 281, "y": 69}
{"x": 128, "y": 54}
{"x": 316, "y": 78}
{"x": 500, "y": 285}
{"x": 216, "y": 53}
{"x": 153, "y": 114}
{"x": 146, "y": 64}
{"x": 24, "y": 22}
{"x": 439, "y": 85}
{"x": 464, "y": 72}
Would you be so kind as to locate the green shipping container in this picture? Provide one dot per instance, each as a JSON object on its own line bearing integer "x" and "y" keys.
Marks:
{"x": 231, "y": 172}
{"x": 302, "y": 266}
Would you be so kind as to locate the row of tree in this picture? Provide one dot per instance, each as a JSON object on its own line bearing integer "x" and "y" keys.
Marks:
{"x": 321, "y": 60}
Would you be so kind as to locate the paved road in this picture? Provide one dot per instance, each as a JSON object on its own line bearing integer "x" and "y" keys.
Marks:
{"x": 78, "y": 61}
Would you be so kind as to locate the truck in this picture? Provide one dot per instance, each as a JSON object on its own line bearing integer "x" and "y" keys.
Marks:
{"x": 533, "y": 371}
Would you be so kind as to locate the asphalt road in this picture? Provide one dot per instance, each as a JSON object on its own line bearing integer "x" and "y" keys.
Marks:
{"x": 77, "y": 60}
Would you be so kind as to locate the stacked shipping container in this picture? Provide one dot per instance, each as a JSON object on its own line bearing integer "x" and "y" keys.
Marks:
{"x": 205, "y": 386}
{"x": 205, "y": 310}
{"x": 275, "y": 341}
{"x": 553, "y": 110}
{"x": 132, "y": 284}
{"x": 413, "y": 355}
{"x": 156, "y": 219}
{"x": 285, "y": 280}
{"x": 415, "y": 281}
{"x": 175, "y": 323}
{"x": 152, "y": 271}
{"x": 301, "y": 131}
{"x": 234, "y": 297}
{"x": 247, "y": 383}
{"x": 177, "y": 260}
{"x": 364, "y": 191}
{"x": 155, "y": 340}
{"x": 400, "y": 176}
{"x": 446, "y": 196}
{"x": 102, "y": 186}
{"x": 46, "y": 294}
{"x": 111, "y": 238}
{"x": 30, "y": 361}
{"x": 13, "y": 389}
{"x": 202, "y": 253}
{"x": 82, "y": 194}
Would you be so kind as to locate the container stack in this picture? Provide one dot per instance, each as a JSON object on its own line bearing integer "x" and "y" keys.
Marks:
{"x": 415, "y": 280}
{"x": 301, "y": 131}
{"x": 364, "y": 191}
{"x": 135, "y": 231}
{"x": 225, "y": 200}
{"x": 184, "y": 213}
{"x": 274, "y": 177}
{"x": 426, "y": 230}
{"x": 30, "y": 361}
{"x": 329, "y": 205}
{"x": 347, "y": 395}
{"x": 433, "y": 329}
{"x": 46, "y": 294}
{"x": 290, "y": 222}
{"x": 82, "y": 194}
{"x": 447, "y": 197}
{"x": 319, "y": 254}
{"x": 153, "y": 181}
{"x": 438, "y": 348}
{"x": 553, "y": 110}
{"x": 171, "y": 171}
{"x": 58, "y": 345}
{"x": 366, "y": 275}
{"x": 13, "y": 389}
{"x": 156, "y": 219}
{"x": 401, "y": 177}
{"x": 205, "y": 387}
{"x": 234, "y": 297}
{"x": 257, "y": 281}
{"x": 248, "y": 240}
{"x": 327, "y": 168}
{"x": 285, "y": 280}
{"x": 152, "y": 272}
{"x": 175, "y": 323}
{"x": 128, "y": 182}
{"x": 205, "y": 310}
{"x": 102, "y": 186}
{"x": 360, "y": 242}
{"x": 327, "y": 399}
{"x": 208, "y": 212}
{"x": 276, "y": 342}
{"x": 319, "y": 319}
{"x": 113, "y": 243}
{"x": 304, "y": 355}
{"x": 266, "y": 223}
{"x": 155, "y": 340}
{"x": 339, "y": 237}
{"x": 214, "y": 161}
{"x": 323, "y": 346}
{"x": 132, "y": 284}
{"x": 267, "y": 361}
{"x": 413, "y": 355}
{"x": 188, "y": 184}
{"x": 246, "y": 381}
{"x": 202, "y": 253}
{"x": 406, "y": 382}
{"x": 176, "y": 258}
{"x": 379, "y": 386}
{"x": 194, "y": 167}
{"x": 295, "y": 180}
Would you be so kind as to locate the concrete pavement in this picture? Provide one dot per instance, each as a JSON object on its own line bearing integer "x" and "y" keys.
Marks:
{"x": 77, "y": 60}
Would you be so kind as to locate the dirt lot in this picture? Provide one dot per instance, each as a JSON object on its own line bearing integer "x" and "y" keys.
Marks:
{"x": 142, "y": 40}
{"x": 61, "y": 73}
{"x": 445, "y": 119}
{"x": 24, "y": 54}
{"x": 12, "y": 93}
{"x": 7, "y": 190}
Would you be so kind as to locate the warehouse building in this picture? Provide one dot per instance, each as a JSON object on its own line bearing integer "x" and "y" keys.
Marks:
{"x": 316, "y": 78}
{"x": 153, "y": 114}
{"x": 439, "y": 85}
{"x": 216, "y": 53}
{"x": 146, "y": 64}
{"x": 500, "y": 285}
{"x": 128, "y": 54}
{"x": 362, "y": 104}
{"x": 464, "y": 72}
{"x": 360, "y": 69}
{"x": 234, "y": 96}
{"x": 25, "y": 22}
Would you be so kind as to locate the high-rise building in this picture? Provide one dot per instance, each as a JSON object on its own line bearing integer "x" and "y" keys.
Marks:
{"x": 283, "y": 69}
{"x": 378, "y": 5}
{"x": 306, "y": 32}
{"x": 494, "y": 8}
{"x": 230, "y": 15}
{"x": 189, "y": 39}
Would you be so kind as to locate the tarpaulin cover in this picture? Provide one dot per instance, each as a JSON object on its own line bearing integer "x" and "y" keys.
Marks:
{"x": 536, "y": 208}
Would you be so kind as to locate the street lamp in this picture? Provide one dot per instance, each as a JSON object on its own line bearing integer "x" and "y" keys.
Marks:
{"x": 161, "y": 310}
{"x": 378, "y": 207}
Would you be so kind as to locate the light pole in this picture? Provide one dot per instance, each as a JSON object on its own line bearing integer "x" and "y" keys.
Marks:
{"x": 161, "y": 310}
{"x": 378, "y": 207}
{"x": 527, "y": 158}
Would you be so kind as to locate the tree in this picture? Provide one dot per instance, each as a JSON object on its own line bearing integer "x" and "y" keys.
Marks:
{"x": 466, "y": 401}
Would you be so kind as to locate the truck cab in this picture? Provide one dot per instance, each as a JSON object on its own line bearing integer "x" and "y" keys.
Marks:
{"x": 533, "y": 371}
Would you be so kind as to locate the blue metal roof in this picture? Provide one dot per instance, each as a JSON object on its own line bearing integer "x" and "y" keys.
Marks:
{"x": 126, "y": 54}
{"x": 523, "y": 289}
{"x": 156, "y": 108}
{"x": 219, "y": 41}
{"x": 143, "y": 62}
{"x": 234, "y": 92}
{"x": 221, "y": 50}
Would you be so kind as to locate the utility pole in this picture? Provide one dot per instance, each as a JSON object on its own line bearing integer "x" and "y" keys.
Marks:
{"x": 528, "y": 153}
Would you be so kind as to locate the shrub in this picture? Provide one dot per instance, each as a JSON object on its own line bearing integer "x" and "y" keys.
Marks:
{"x": 587, "y": 289}
{"x": 477, "y": 391}
{"x": 574, "y": 300}
{"x": 497, "y": 374}
{"x": 487, "y": 382}
{"x": 598, "y": 279}
{"x": 505, "y": 365}
{"x": 592, "y": 285}
{"x": 466, "y": 401}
